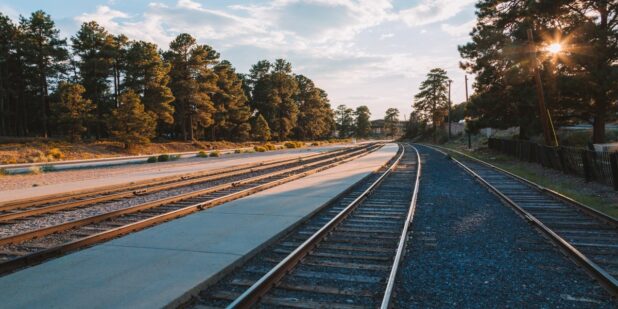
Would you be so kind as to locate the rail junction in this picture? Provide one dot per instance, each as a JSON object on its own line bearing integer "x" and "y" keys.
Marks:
{"x": 329, "y": 230}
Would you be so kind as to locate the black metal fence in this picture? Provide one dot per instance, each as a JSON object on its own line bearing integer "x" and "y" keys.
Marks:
{"x": 601, "y": 167}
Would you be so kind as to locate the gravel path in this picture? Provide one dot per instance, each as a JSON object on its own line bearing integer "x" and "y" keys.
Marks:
{"x": 468, "y": 250}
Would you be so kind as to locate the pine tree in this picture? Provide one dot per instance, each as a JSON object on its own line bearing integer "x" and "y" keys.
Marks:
{"x": 43, "y": 54}
{"x": 315, "y": 116}
{"x": 232, "y": 109}
{"x": 131, "y": 123}
{"x": 261, "y": 131}
{"x": 147, "y": 75}
{"x": 391, "y": 121}
{"x": 431, "y": 102}
{"x": 192, "y": 83}
{"x": 345, "y": 121}
{"x": 72, "y": 111}
{"x": 92, "y": 45}
{"x": 362, "y": 122}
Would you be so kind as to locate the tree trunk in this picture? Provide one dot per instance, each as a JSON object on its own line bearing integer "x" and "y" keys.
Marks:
{"x": 45, "y": 104}
{"x": 598, "y": 128}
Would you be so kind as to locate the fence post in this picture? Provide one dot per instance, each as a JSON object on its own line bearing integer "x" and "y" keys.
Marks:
{"x": 613, "y": 163}
{"x": 587, "y": 167}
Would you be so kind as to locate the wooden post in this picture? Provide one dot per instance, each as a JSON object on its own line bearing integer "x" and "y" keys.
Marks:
{"x": 613, "y": 163}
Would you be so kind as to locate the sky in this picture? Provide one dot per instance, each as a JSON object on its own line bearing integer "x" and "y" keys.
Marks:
{"x": 362, "y": 52}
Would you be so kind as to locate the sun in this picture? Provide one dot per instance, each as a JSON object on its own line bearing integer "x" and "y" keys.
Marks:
{"x": 554, "y": 48}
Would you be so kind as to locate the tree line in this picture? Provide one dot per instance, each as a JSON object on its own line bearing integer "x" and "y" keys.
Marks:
{"x": 580, "y": 81}
{"x": 100, "y": 85}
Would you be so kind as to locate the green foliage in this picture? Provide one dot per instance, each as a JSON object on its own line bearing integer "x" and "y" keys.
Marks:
{"x": 315, "y": 117}
{"x": 72, "y": 111}
{"x": 163, "y": 158}
{"x": 202, "y": 154}
{"x": 344, "y": 118}
{"x": 261, "y": 130}
{"x": 214, "y": 154}
{"x": 292, "y": 145}
{"x": 130, "y": 123}
{"x": 431, "y": 102}
{"x": 147, "y": 74}
{"x": 232, "y": 111}
{"x": 152, "y": 159}
{"x": 362, "y": 123}
{"x": 391, "y": 120}
{"x": 259, "y": 148}
{"x": 269, "y": 146}
{"x": 274, "y": 90}
{"x": 192, "y": 79}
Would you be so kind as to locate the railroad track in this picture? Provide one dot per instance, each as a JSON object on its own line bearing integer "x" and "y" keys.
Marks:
{"x": 344, "y": 256}
{"x": 11, "y": 211}
{"x": 588, "y": 237}
{"x": 33, "y": 246}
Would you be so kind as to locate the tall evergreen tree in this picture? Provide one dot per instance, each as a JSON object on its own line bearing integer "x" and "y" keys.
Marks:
{"x": 72, "y": 111}
{"x": 9, "y": 77}
{"x": 391, "y": 121}
{"x": 315, "y": 116}
{"x": 192, "y": 83}
{"x": 431, "y": 102}
{"x": 345, "y": 121}
{"x": 92, "y": 46}
{"x": 232, "y": 109}
{"x": 362, "y": 122}
{"x": 131, "y": 123}
{"x": 147, "y": 75}
{"x": 261, "y": 131}
{"x": 44, "y": 54}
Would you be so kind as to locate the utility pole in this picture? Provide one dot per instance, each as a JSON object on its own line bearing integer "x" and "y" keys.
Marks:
{"x": 548, "y": 133}
{"x": 467, "y": 130}
{"x": 449, "y": 109}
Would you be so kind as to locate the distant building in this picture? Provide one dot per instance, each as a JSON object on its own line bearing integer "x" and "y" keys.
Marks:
{"x": 378, "y": 131}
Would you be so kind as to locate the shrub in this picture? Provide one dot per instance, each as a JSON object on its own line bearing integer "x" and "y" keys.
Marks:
{"x": 292, "y": 145}
{"x": 55, "y": 153}
{"x": 163, "y": 158}
{"x": 47, "y": 168}
{"x": 214, "y": 154}
{"x": 259, "y": 149}
{"x": 269, "y": 146}
{"x": 249, "y": 151}
{"x": 237, "y": 151}
{"x": 174, "y": 157}
{"x": 315, "y": 144}
{"x": 152, "y": 159}
{"x": 202, "y": 154}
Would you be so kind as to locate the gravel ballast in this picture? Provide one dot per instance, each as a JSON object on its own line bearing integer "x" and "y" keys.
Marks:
{"x": 469, "y": 250}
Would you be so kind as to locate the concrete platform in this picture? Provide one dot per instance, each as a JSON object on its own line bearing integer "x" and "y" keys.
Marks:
{"x": 154, "y": 267}
{"x": 157, "y": 172}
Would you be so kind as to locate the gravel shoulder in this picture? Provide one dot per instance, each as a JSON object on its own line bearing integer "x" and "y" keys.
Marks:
{"x": 468, "y": 250}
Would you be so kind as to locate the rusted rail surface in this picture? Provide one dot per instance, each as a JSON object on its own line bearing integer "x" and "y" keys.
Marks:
{"x": 76, "y": 234}
{"x": 589, "y": 237}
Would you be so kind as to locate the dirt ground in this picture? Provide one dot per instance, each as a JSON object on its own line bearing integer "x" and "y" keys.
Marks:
{"x": 41, "y": 150}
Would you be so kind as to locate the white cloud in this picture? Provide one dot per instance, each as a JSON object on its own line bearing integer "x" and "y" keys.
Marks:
{"x": 459, "y": 30}
{"x": 385, "y": 36}
{"x": 431, "y": 11}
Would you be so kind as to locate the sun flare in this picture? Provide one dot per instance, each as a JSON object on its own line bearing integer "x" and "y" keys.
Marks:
{"x": 554, "y": 48}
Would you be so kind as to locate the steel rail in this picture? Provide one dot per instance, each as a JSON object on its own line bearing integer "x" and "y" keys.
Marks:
{"x": 132, "y": 186}
{"x": 253, "y": 294}
{"x": 390, "y": 286}
{"x": 157, "y": 203}
{"x": 602, "y": 276}
{"x": 587, "y": 209}
{"x": 154, "y": 187}
{"x": 59, "y": 250}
